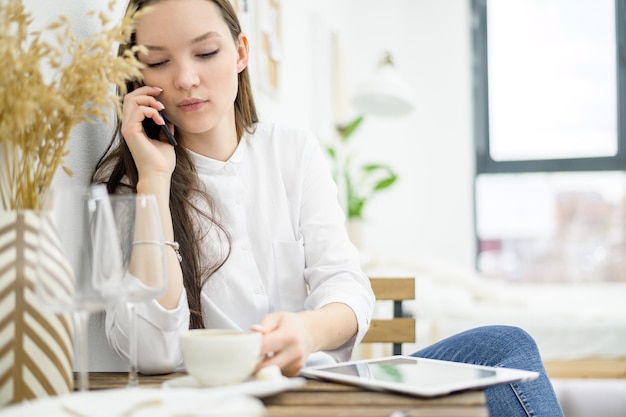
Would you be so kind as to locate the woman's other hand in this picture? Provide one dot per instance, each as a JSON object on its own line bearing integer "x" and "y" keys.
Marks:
{"x": 287, "y": 341}
{"x": 289, "y": 338}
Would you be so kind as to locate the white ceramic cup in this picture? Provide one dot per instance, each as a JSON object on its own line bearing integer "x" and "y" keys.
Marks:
{"x": 220, "y": 356}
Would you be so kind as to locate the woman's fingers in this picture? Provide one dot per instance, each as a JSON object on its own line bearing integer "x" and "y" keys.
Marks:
{"x": 150, "y": 155}
{"x": 285, "y": 342}
{"x": 290, "y": 360}
{"x": 138, "y": 105}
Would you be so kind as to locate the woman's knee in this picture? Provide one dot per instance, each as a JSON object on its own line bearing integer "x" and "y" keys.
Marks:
{"x": 494, "y": 345}
{"x": 516, "y": 336}
{"x": 515, "y": 346}
{"x": 508, "y": 332}
{"x": 506, "y": 336}
{"x": 491, "y": 344}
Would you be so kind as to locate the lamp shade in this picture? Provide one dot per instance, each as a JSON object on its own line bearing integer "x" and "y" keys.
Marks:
{"x": 386, "y": 93}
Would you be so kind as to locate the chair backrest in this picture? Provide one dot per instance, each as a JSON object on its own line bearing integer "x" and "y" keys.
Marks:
{"x": 398, "y": 329}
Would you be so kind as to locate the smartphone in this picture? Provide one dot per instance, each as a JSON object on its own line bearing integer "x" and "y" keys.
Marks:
{"x": 153, "y": 130}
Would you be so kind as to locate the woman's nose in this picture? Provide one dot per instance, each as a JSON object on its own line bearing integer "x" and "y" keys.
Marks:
{"x": 186, "y": 78}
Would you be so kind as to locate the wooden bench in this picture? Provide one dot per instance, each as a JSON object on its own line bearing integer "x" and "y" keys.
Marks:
{"x": 599, "y": 368}
{"x": 398, "y": 329}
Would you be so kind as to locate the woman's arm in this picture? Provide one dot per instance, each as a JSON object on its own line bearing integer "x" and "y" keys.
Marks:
{"x": 158, "y": 345}
{"x": 155, "y": 161}
{"x": 337, "y": 308}
{"x": 333, "y": 271}
{"x": 159, "y": 321}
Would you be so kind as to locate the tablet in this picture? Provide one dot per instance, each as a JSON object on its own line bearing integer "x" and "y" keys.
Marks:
{"x": 416, "y": 376}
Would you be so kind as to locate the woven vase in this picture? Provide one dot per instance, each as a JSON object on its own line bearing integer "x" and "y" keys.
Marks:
{"x": 36, "y": 345}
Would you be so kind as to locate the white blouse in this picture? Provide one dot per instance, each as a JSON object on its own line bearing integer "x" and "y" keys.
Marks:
{"x": 289, "y": 249}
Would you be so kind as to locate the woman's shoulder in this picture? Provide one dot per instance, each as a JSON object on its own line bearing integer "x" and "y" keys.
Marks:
{"x": 291, "y": 148}
{"x": 281, "y": 135}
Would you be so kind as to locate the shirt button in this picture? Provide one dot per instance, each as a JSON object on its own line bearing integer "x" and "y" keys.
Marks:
{"x": 257, "y": 291}
{"x": 244, "y": 246}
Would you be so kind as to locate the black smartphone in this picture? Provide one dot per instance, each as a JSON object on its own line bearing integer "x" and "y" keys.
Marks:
{"x": 153, "y": 130}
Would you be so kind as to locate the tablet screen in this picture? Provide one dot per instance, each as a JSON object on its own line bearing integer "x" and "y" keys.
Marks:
{"x": 411, "y": 371}
{"x": 417, "y": 375}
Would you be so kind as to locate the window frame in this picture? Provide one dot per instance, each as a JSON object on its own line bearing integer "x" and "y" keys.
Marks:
{"x": 484, "y": 164}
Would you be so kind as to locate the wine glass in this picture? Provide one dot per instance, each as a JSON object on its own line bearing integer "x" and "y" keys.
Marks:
{"x": 79, "y": 259}
{"x": 141, "y": 242}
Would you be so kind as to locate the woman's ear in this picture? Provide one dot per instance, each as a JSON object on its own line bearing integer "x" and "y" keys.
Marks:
{"x": 242, "y": 49}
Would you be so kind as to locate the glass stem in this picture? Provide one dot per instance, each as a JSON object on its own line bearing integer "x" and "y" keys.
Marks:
{"x": 81, "y": 321}
{"x": 133, "y": 377}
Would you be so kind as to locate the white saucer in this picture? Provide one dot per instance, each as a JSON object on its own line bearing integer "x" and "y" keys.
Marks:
{"x": 254, "y": 387}
{"x": 139, "y": 402}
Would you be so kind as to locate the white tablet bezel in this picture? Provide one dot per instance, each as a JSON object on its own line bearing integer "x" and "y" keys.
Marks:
{"x": 501, "y": 376}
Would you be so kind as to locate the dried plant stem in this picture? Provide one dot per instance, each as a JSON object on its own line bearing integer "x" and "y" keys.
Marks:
{"x": 43, "y": 96}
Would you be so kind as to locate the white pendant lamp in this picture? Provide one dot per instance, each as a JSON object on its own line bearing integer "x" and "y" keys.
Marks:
{"x": 386, "y": 93}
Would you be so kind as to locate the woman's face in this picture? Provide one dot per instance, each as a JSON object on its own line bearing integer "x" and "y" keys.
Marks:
{"x": 194, "y": 59}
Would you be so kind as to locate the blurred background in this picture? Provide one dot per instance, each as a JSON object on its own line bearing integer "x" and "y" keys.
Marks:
{"x": 508, "y": 198}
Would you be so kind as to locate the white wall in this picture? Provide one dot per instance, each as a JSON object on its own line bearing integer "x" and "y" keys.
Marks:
{"x": 87, "y": 141}
{"x": 428, "y": 214}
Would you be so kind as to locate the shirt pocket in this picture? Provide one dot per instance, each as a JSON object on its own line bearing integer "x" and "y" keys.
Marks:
{"x": 289, "y": 263}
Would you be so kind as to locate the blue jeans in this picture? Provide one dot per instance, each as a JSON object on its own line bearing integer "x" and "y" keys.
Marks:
{"x": 507, "y": 347}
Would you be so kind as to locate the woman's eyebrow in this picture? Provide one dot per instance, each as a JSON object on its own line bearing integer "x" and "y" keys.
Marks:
{"x": 204, "y": 37}
{"x": 193, "y": 41}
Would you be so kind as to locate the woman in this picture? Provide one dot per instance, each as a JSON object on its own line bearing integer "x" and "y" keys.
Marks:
{"x": 254, "y": 211}
{"x": 246, "y": 203}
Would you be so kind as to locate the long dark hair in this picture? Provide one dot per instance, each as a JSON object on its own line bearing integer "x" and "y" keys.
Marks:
{"x": 116, "y": 168}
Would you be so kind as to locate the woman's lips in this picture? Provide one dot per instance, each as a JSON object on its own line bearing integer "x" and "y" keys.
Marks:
{"x": 191, "y": 105}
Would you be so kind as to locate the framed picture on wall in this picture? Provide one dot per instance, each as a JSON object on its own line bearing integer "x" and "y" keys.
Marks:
{"x": 244, "y": 12}
{"x": 327, "y": 80}
{"x": 269, "y": 42}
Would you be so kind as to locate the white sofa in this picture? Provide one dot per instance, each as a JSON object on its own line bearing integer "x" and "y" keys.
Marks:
{"x": 591, "y": 397}
{"x": 573, "y": 324}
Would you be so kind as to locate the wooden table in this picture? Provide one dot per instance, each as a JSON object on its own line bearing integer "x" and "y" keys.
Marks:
{"x": 325, "y": 399}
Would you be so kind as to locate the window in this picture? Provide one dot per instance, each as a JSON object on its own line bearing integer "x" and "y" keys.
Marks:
{"x": 550, "y": 98}
{"x": 552, "y": 227}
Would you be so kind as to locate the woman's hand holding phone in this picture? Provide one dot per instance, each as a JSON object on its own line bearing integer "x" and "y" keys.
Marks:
{"x": 141, "y": 111}
{"x": 153, "y": 130}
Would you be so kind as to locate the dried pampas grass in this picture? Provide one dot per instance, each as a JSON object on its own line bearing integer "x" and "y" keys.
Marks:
{"x": 47, "y": 89}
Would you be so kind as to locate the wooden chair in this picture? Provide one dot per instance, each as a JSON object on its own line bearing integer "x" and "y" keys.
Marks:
{"x": 398, "y": 329}
{"x": 594, "y": 368}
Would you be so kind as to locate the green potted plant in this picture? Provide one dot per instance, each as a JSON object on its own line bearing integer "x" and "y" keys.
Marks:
{"x": 358, "y": 183}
